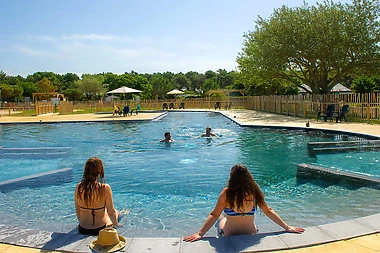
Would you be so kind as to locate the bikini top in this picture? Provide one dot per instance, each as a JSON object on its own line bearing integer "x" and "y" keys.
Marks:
{"x": 231, "y": 212}
{"x": 92, "y": 212}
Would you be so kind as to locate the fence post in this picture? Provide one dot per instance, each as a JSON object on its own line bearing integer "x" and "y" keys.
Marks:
{"x": 368, "y": 112}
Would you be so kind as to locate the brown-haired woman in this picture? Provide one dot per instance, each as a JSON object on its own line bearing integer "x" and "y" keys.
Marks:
{"x": 93, "y": 200}
{"x": 239, "y": 201}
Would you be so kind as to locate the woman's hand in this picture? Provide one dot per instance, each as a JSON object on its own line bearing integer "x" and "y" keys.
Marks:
{"x": 292, "y": 229}
{"x": 192, "y": 238}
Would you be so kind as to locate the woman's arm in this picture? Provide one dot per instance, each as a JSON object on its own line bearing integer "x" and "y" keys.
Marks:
{"x": 268, "y": 211}
{"x": 112, "y": 213}
{"x": 78, "y": 211}
{"x": 211, "y": 219}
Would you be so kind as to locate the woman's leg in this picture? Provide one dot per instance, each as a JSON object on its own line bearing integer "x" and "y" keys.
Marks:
{"x": 222, "y": 222}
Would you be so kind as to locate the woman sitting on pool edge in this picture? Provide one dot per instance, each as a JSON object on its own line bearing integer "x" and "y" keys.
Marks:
{"x": 239, "y": 201}
{"x": 93, "y": 200}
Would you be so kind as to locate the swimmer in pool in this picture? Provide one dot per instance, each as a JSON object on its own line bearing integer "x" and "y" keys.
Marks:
{"x": 208, "y": 133}
{"x": 168, "y": 138}
{"x": 240, "y": 209}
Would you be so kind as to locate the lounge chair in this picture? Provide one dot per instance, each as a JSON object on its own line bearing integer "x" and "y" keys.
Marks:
{"x": 329, "y": 113}
{"x": 164, "y": 106}
{"x": 217, "y": 105}
{"x": 136, "y": 110}
{"x": 182, "y": 105}
{"x": 171, "y": 106}
{"x": 342, "y": 114}
{"x": 126, "y": 110}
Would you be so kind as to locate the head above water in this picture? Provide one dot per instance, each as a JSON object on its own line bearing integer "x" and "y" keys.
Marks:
{"x": 167, "y": 134}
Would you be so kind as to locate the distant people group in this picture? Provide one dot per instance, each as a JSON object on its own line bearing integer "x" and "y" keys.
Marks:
{"x": 168, "y": 137}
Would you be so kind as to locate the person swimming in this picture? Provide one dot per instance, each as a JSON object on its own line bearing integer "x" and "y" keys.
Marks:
{"x": 168, "y": 138}
{"x": 208, "y": 133}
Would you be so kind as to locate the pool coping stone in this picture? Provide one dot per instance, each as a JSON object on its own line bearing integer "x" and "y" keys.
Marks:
{"x": 261, "y": 242}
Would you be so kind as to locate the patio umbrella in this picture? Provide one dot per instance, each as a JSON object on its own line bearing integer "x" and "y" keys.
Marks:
{"x": 175, "y": 92}
{"x": 124, "y": 90}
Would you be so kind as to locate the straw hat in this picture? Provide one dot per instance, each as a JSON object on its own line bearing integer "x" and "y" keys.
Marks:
{"x": 108, "y": 241}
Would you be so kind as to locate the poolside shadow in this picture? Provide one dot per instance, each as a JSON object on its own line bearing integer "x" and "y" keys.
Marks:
{"x": 238, "y": 243}
{"x": 64, "y": 241}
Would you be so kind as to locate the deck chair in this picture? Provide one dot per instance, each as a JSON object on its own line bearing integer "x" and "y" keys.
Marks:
{"x": 171, "y": 106}
{"x": 126, "y": 110}
{"x": 182, "y": 105}
{"x": 165, "y": 106}
{"x": 342, "y": 114}
{"x": 217, "y": 105}
{"x": 329, "y": 113}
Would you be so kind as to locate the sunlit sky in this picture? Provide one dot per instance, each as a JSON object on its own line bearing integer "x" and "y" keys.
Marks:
{"x": 147, "y": 36}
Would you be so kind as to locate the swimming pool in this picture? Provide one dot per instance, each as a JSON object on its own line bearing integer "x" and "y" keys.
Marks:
{"x": 170, "y": 189}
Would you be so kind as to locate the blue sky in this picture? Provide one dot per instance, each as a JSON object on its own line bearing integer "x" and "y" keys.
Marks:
{"x": 147, "y": 36}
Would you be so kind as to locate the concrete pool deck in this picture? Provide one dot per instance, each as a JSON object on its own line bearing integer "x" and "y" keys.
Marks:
{"x": 357, "y": 235}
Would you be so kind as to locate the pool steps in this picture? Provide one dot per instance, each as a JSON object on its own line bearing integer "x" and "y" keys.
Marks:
{"x": 342, "y": 146}
{"x": 313, "y": 172}
{"x": 55, "y": 177}
{"x": 34, "y": 153}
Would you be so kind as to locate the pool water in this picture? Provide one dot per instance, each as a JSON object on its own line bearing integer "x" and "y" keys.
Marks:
{"x": 169, "y": 189}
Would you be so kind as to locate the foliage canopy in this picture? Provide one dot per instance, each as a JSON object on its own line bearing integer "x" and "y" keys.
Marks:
{"x": 315, "y": 45}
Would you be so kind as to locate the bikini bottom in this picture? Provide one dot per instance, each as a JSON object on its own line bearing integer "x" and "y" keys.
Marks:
{"x": 92, "y": 231}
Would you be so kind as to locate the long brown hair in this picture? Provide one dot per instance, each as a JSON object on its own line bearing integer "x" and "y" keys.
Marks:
{"x": 89, "y": 187}
{"x": 241, "y": 185}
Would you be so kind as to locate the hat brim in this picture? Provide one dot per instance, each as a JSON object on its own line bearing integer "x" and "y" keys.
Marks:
{"x": 98, "y": 248}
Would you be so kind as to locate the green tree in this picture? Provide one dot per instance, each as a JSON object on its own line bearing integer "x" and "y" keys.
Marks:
{"x": 6, "y": 92}
{"x": 91, "y": 86}
{"x": 45, "y": 86}
{"x": 52, "y": 77}
{"x": 364, "y": 84}
{"x": 196, "y": 80}
{"x": 181, "y": 81}
{"x": 314, "y": 45}
{"x": 73, "y": 94}
{"x": 209, "y": 84}
{"x": 29, "y": 88}
{"x": 68, "y": 81}
{"x": 2, "y": 76}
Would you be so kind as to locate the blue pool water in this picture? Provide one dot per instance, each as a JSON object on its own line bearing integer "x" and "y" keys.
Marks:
{"x": 170, "y": 189}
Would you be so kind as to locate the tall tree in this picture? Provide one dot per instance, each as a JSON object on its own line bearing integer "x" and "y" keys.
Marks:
{"x": 181, "y": 81}
{"x": 196, "y": 80}
{"x": 314, "y": 45}
{"x": 45, "y": 86}
{"x": 68, "y": 81}
{"x": 91, "y": 86}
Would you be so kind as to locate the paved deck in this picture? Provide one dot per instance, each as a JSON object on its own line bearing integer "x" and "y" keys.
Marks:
{"x": 357, "y": 235}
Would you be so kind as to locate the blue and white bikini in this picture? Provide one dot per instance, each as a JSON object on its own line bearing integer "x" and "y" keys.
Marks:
{"x": 231, "y": 212}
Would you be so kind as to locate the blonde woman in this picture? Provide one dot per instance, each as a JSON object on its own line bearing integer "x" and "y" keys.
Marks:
{"x": 93, "y": 200}
{"x": 239, "y": 201}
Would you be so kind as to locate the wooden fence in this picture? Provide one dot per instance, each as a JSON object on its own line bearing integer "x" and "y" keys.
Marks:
{"x": 26, "y": 109}
{"x": 363, "y": 107}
